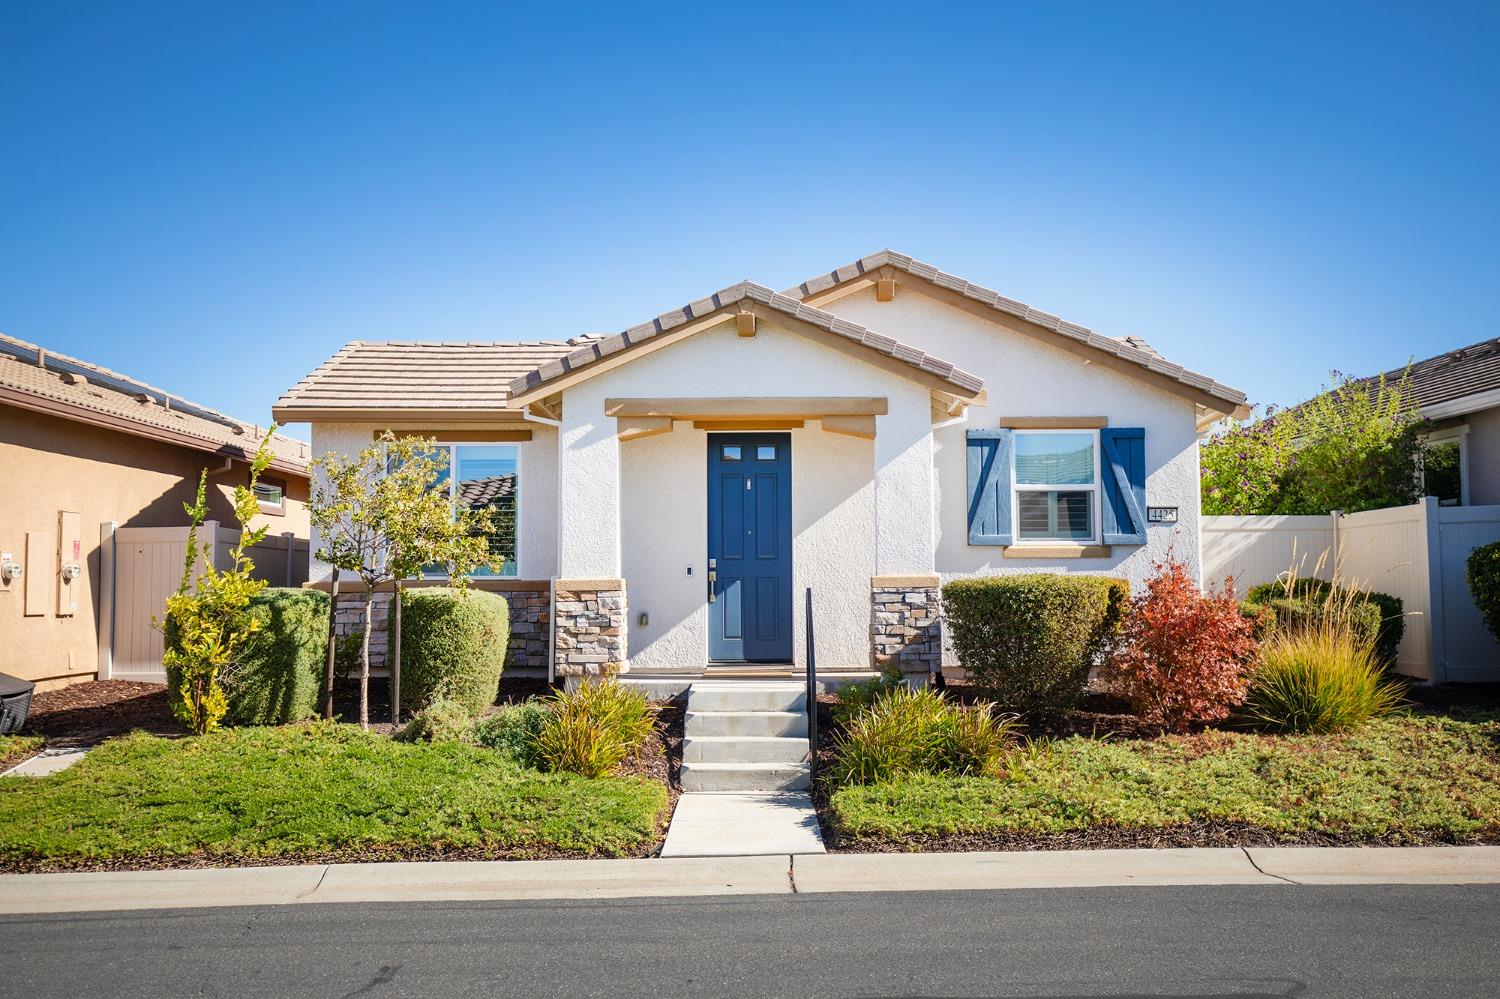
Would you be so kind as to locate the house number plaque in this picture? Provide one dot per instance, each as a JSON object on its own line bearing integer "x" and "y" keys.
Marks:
{"x": 1161, "y": 514}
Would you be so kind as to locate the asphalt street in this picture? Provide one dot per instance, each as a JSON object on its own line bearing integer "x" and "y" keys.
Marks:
{"x": 1364, "y": 941}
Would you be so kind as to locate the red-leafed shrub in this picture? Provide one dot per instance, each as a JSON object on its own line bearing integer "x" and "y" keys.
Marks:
{"x": 1183, "y": 656}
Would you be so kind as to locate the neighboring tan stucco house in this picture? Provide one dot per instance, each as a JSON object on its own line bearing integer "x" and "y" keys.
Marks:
{"x": 82, "y": 446}
{"x": 869, "y": 434}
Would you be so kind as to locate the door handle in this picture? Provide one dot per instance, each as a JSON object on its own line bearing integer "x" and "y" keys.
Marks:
{"x": 712, "y": 577}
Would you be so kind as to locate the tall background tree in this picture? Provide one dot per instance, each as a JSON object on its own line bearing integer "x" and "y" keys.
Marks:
{"x": 1355, "y": 446}
{"x": 381, "y": 516}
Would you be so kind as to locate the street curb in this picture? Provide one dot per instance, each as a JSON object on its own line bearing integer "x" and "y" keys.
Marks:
{"x": 779, "y": 874}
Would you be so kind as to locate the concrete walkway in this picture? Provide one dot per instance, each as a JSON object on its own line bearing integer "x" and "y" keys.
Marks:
{"x": 743, "y": 824}
{"x": 48, "y": 761}
{"x": 769, "y": 875}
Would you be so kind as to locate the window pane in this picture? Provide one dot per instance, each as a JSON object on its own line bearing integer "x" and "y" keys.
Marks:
{"x": 1055, "y": 459}
{"x": 1441, "y": 476}
{"x": 731, "y": 452}
{"x": 487, "y": 480}
{"x": 764, "y": 453}
{"x": 268, "y": 493}
{"x": 1053, "y": 515}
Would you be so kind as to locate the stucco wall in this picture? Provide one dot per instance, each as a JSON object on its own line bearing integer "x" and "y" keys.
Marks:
{"x": 1025, "y": 377}
{"x": 52, "y": 465}
{"x": 1484, "y": 456}
{"x": 536, "y": 540}
{"x": 658, "y": 488}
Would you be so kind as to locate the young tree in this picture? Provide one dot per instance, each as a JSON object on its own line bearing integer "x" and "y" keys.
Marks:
{"x": 379, "y": 516}
{"x": 208, "y": 620}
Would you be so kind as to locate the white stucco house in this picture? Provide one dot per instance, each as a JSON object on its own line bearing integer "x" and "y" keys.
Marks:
{"x": 869, "y": 434}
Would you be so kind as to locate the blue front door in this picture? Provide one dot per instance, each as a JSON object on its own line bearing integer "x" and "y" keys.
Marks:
{"x": 750, "y": 547}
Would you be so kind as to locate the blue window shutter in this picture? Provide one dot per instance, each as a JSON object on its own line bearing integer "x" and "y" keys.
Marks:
{"x": 989, "y": 487}
{"x": 1123, "y": 466}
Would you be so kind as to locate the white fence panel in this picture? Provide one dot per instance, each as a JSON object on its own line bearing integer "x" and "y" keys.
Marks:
{"x": 1257, "y": 550}
{"x": 1468, "y": 651}
{"x": 1386, "y": 550}
{"x": 1418, "y": 553}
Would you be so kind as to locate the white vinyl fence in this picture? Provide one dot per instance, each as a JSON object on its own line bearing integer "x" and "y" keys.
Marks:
{"x": 1418, "y": 553}
{"x": 141, "y": 566}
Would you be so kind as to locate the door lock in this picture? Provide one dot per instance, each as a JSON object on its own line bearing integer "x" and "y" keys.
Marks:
{"x": 713, "y": 576}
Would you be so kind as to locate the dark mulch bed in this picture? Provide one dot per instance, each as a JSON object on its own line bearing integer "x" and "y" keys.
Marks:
{"x": 1196, "y": 834}
{"x": 85, "y": 713}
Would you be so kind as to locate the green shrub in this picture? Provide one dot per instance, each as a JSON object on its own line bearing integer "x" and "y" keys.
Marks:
{"x": 1308, "y": 595}
{"x": 909, "y": 731}
{"x": 1029, "y": 641}
{"x": 1318, "y": 678}
{"x": 591, "y": 730}
{"x": 454, "y": 642}
{"x": 444, "y": 719}
{"x": 279, "y": 678}
{"x": 1484, "y": 584}
{"x": 856, "y": 697}
{"x": 514, "y": 730}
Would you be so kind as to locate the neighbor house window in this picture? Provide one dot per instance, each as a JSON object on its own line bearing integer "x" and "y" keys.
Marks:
{"x": 485, "y": 476}
{"x": 1056, "y": 485}
{"x": 1444, "y": 474}
{"x": 270, "y": 495}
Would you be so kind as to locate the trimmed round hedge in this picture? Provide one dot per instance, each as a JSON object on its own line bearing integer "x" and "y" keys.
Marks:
{"x": 452, "y": 642}
{"x": 1377, "y": 617}
{"x": 1484, "y": 584}
{"x": 1030, "y": 640}
{"x": 279, "y": 679}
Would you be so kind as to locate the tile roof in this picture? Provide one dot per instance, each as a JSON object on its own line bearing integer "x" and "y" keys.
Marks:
{"x": 77, "y": 389}
{"x": 1131, "y": 349}
{"x": 1463, "y": 372}
{"x": 422, "y": 375}
{"x": 596, "y": 350}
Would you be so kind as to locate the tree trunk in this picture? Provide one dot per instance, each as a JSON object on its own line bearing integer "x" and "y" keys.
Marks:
{"x": 393, "y": 639}
{"x": 364, "y": 659}
{"x": 333, "y": 644}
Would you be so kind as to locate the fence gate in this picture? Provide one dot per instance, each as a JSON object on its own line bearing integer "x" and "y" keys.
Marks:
{"x": 141, "y": 567}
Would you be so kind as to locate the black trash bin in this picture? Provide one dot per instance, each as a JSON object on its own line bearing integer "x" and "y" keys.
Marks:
{"x": 15, "y": 702}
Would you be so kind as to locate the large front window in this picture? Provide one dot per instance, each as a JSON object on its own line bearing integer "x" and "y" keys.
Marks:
{"x": 1056, "y": 485}
{"x": 485, "y": 476}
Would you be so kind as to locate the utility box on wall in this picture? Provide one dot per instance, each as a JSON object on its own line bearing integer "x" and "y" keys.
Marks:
{"x": 70, "y": 581}
{"x": 38, "y": 575}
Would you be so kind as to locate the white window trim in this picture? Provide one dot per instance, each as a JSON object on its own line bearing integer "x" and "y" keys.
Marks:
{"x": 452, "y": 447}
{"x": 273, "y": 509}
{"x": 1460, "y": 434}
{"x": 1095, "y": 512}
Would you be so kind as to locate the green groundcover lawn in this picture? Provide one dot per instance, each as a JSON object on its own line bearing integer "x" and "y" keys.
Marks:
{"x": 1406, "y": 778}
{"x": 316, "y": 790}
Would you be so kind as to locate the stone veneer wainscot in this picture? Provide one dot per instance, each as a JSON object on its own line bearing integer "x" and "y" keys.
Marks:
{"x": 906, "y": 624}
{"x": 591, "y": 629}
{"x": 530, "y": 618}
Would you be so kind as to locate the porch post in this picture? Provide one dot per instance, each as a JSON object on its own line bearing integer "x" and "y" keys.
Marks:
{"x": 905, "y": 606}
{"x": 588, "y": 613}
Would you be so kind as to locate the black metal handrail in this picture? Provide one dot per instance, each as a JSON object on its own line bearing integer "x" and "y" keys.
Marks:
{"x": 812, "y": 692}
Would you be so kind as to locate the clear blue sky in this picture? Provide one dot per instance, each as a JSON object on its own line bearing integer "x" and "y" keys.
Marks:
{"x": 216, "y": 200}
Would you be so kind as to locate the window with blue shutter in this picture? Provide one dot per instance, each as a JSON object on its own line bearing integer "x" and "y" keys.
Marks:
{"x": 989, "y": 486}
{"x": 1123, "y": 454}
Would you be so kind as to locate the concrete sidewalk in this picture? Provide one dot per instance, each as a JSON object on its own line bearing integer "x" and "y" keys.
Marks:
{"x": 767, "y": 875}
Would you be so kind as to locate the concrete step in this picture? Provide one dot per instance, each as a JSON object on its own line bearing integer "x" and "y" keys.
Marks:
{"x": 748, "y": 695}
{"x": 746, "y": 776}
{"x": 792, "y": 723}
{"x": 743, "y": 749}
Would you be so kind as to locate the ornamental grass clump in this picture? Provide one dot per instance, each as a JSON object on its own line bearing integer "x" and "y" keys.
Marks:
{"x": 591, "y": 730}
{"x": 859, "y": 695}
{"x": 1319, "y": 679}
{"x": 908, "y": 731}
{"x": 1184, "y": 656}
